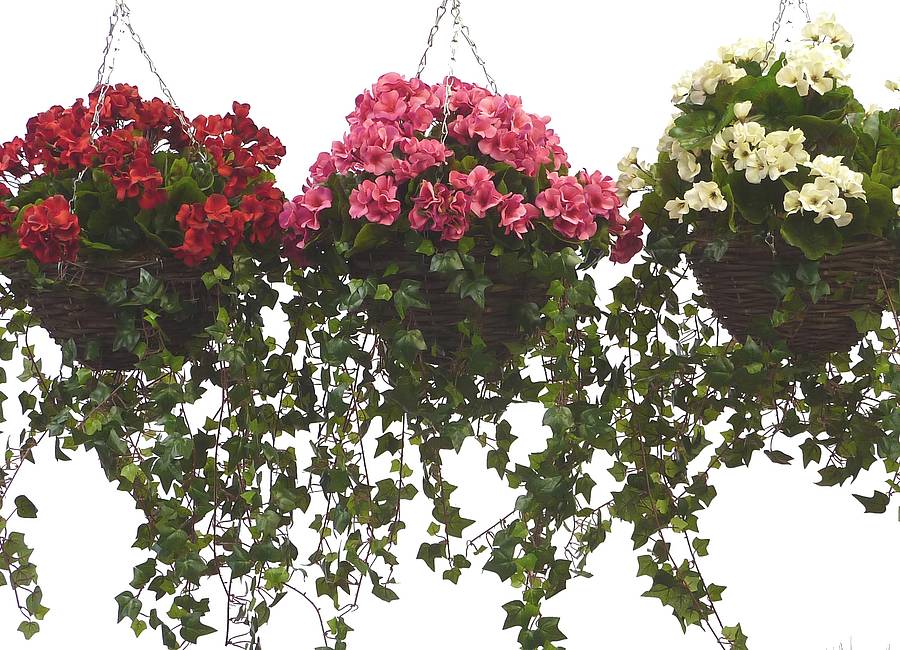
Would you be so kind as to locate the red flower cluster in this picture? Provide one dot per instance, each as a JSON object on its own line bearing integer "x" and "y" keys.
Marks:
{"x": 208, "y": 225}
{"x": 131, "y": 132}
{"x": 6, "y": 215}
{"x": 50, "y": 231}
{"x": 240, "y": 149}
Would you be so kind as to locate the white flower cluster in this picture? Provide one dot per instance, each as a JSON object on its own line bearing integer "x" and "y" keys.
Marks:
{"x": 893, "y": 85}
{"x": 705, "y": 195}
{"x": 819, "y": 62}
{"x": 697, "y": 86}
{"x": 823, "y": 196}
{"x": 748, "y": 51}
{"x": 631, "y": 177}
{"x": 825, "y": 29}
{"x": 897, "y": 199}
{"x": 745, "y": 146}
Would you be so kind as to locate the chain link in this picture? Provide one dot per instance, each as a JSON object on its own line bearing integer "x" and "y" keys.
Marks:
{"x": 492, "y": 84}
{"x": 104, "y": 74}
{"x": 448, "y": 82}
{"x": 439, "y": 16}
{"x": 463, "y": 29}
{"x": 783, "y": 6}
{"x": 186, "y": 126}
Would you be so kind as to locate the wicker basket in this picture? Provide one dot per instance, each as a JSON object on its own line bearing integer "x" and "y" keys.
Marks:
{"x": 498, "y": 323}
{"x": 737, "y": 288}
{"x": 73, "y": 308}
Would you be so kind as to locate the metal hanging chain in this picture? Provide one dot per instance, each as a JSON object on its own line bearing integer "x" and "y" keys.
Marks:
{"x": 186, "y": 126}
{"x": 459, "y": 24}
{"x": 783, "y": 6}
{"x": 439, "y": 16}
{"x": 492, "y": 84}
{"x": 448, "y": 82}
{"x": 104, "y": 74}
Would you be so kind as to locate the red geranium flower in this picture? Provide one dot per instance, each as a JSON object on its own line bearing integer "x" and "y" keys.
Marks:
{"x": 50, "y": 231}
{"x": 628, "y": 243}
{"x": 7, "y": 215}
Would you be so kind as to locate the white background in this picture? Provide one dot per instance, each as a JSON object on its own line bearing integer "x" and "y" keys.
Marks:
{"x": 806, "y": 569}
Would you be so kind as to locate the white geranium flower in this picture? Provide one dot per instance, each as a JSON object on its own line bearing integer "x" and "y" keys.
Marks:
{"x": 826, "y": 28}
{"x": 719, "y": 146}
{"x": 784, "y": 164}
{"x": 742, "y": 110}
{"x": 792, "y": 202}
{"x": 628, "y": 161}
{"x": 827, "y": 166}
{"x": 753, "y": 50}
{"x": 743, "y": 153}
{"x": 851, "y": 182}
{"x": 757, "y": 167}
{"x": 815, "y": 197}
{"x": 818, "y": 80}
{"x": 677, "y": 209}
{"x": 792, "y": 77}
{"x": 705, "y": 195}
{"x": 688, "y": 167}
{"x": 835, "y": 209}
{"x": 750, "y": 132}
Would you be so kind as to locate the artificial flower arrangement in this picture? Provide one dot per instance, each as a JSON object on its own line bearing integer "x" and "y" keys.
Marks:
{"x": 781, "y": 189}
{"x": 457, "y": 203}
{"x": 95, "y": 201}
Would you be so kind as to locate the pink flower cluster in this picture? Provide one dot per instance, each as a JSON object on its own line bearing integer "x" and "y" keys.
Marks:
{"x": 391, "y": 154}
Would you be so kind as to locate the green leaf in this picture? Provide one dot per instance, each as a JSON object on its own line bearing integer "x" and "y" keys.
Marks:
{"x": 457, "y": 432}
{"x": 446, "y": 262}
{"x": 815, "y": 239}
{"x": 29, "y": 629}
{"x": 408, "y": 344}
{"x": 877, "y": 503}
{"x": 559, "y": 419}
{"x": 696, "y": 129}
{"x": 370, "y": 236}
{"x": 866, "y": 321}
{"x": 25, "y": 508}
{"x": 409, "y": 296}
{"x": 475, "y": 289}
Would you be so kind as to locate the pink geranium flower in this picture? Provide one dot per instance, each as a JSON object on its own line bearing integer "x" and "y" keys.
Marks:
{"x": 479, "y": 188}
{"x": 516, "y": 216}
{"x": 396, "y": 156}
{"x": 376, "y": 201}
{"x": 317, "y": 199}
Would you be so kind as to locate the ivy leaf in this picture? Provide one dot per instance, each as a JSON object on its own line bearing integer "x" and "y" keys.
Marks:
{"x": 25, "y": 508}
{"x": 457, "y": 432}
{"x": 408, "y": 344}
{"x": 779, "y": 457}
{"x": 475, "y": 289}
{"x": 29, "y": 629}
{"x": 877, "y": 503}
{"x": 559, "y": 419}
{"x": 409, "y": 296}
{"x": 446, "y": 262}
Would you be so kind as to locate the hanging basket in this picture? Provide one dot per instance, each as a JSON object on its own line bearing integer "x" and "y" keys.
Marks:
{"x": 72, "y": 306}
{"x": 738, "y": 290}
{"x": 498, "y": 324}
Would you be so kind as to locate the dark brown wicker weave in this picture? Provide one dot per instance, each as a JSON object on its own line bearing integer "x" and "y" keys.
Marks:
{"x": 72, "y": 307}
{"x": 737, "y": 288}
{"x": 497, "y": 323}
